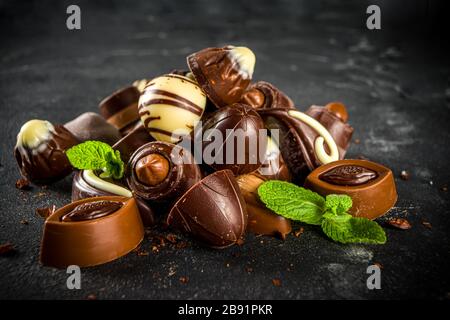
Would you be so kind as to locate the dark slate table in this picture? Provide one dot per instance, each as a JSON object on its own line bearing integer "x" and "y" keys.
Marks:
{"x": 395, "y": 82}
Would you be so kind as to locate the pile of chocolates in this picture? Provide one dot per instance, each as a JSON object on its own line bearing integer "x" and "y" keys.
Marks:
{"x": 154, "y": 125}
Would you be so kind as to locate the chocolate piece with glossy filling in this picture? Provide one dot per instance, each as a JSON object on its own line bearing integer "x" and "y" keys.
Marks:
{"x": 370, "y": 185}
{"x": 213, "y": 211}
{"x": 265, "y": 95}
{"x": 91, "y": 231}
{"x": 40, "y": 151}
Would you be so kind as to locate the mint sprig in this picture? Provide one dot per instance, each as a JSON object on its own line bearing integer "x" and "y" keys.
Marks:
{"x": 97, "y": 155}
{"x": 300, "y": 204}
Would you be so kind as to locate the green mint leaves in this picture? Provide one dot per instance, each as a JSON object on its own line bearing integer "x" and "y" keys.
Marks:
{"x": 96, "y": 155}
{"x": 297, "y": 203}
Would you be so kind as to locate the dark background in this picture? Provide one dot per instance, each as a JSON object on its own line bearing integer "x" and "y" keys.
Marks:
{"x": 394, "y": 81}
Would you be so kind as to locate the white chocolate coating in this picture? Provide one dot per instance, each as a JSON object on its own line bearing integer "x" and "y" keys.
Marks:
{"x": 34, "y": 132}
{"x": 171, "y": 104}
{"x": 245, "y": 58}
{"x": 103, "y": 185}
{"x": 324, "y": 136}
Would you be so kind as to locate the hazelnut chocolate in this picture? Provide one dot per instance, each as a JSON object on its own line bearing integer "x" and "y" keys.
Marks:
{"x": 265, "y": 95}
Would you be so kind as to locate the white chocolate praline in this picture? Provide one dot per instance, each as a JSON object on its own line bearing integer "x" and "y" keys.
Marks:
{"x": 324, "y": 136}
{"x": 34, "y": 132}
{"x": 103, "y": 185}
{"x": 170, "y": 107}
{"x": 245, "y": 60}
{"x": 140, "y": 84}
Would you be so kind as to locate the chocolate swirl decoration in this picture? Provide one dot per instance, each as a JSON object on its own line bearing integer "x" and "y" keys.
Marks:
{"x": 349, "y": 175}
{"x": 161, "y": 171}
{"x": 301, "y": 140}
{"x": 91, "y": 210}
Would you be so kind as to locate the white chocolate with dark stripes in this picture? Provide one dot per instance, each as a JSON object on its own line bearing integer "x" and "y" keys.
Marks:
{"x": 170, "y": 106}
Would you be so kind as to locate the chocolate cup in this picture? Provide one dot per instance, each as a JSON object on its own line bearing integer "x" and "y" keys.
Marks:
{"x": 370, "y": 200}
{"x": 136, "y": 138}
{"x": 213, "y": 211}
{"x": 121, "y": 108}
{"x": 81, "y": 189}
{"x": 91, "y": 242}
{"x": 181, "y": 176}
{"x": 261, "y": 220}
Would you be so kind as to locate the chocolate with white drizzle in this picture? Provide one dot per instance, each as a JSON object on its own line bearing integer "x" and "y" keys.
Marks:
{"x": 305, "y": 143}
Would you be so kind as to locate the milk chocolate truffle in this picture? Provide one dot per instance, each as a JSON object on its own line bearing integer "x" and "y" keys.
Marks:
{"x": 265, "y": 95}
{"x": 121, "y": 108}
{"x": 305, "y": 143}
{"x": 91, "y": 231}
{"x": 223, "y": 73}
{"x": 87, "y": 184}
{"x": 261, "y": 220}
{"x": 40, "y": 151}
{"x": 213, "y": 211}
{"x": 137, "y": 137}
{"x": 92, "y": 126}
{"x": 161, "y": 171}
{"x": 274, "y": 167}
{"x": 333, "y": 117}
{"x": 370, "y": 185}
{"x": 233, "y": 138}
{"x": 170, "y": 106}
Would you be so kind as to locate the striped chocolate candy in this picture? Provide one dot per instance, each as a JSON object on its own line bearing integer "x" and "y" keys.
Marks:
{"x": 170, "y": 106}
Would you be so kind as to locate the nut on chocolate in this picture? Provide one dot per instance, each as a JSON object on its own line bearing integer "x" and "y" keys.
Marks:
{"x": 152, "y": 169}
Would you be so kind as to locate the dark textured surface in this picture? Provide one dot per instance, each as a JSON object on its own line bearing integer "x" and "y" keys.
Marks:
{"x": 396, "y": 87}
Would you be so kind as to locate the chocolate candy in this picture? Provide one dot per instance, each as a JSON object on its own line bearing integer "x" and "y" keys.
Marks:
{"x": 333, "y": 117}
{"x": 40, "y": 151}
{"x": 161, "y": 171}
{"x": 261, "y": 220}
{"x": 91, "y": 126}
{"x": 213, "y": 211}
{"x": 233, "y": 138}
{"x": 91, "y": 231}
{"x": 137, "y": 137}
{"x": 120, "y": 108}
{"x": 170, "y": 106}
{"x": 305, "y": 143}
{"x": 87, "y": 184}
{"x": 265, "y": 95}
{"x": 274, "y": 167}
{"x": 370, "y": 185}
{"x": 223, "y": 73}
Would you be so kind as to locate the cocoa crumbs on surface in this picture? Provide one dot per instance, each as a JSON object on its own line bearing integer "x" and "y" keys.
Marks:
{"x": 7, "y": 248}
{"x": 404, "y": 175}
{"x": 427, "y": 224}
{"x": 299, "y": 232}
{"x": 399, "y": 223}
{"x": 23, "y": 184}
{"x": 45, "y": 212}
{"x": 184, "y": 279}
{"x": 276, "y": 282}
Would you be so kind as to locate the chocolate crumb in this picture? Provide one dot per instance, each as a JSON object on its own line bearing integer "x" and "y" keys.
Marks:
{"x": 399, "y": 223}
{"x": 25, "y": 222}
{"x": 427, "y": 224}
{"x": 357, "y": 141}
{"x": 299, "y": 232}
{"x": 227, "y": 264}
{"x": 155, "y": 249}
{"x": 276, "y": 282}
{"x": 45, "y": 212}
{"x": 379, "y": 265}
{"x": 240, "y": 242}
{"x": 182, "y": 245}
{"x": 23, "y": 184}
{"x": 404, "y": 175}
{"x": 142, "y": 253}
{"x": 248, "y": 269}
{"x": 184, "y": 280}
{"x": 92, "y": 297}
{"x": 171, "y": 238}
{"x": 444, "y": 188}
{"x": 7, "y": 249}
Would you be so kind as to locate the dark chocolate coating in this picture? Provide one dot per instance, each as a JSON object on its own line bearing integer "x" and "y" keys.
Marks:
{"x": 213, "y": 211}
{"x": 237, "y": 116}
{"x": 181, "y": 176}
{"x": 136, "y": 138}
{"x": 349, "y": 175}
{"x": 48, "y": 162}
{"x": 297, "y": 138}
{"x": 217, "y": 76}
{"x": 92, "y": 210}
{"x": 274, "y": 168}
{"x": 272, "y": 97}
{"x": 340, "y": 131}
{"x": 92, "y": 126}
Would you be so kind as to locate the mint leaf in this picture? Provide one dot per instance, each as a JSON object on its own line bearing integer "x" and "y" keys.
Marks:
{"x": 292, "y": 202}
{"x": 347, "y": 229}
{"x": 338, "y": 203}
{"x": 96, "y": 155}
